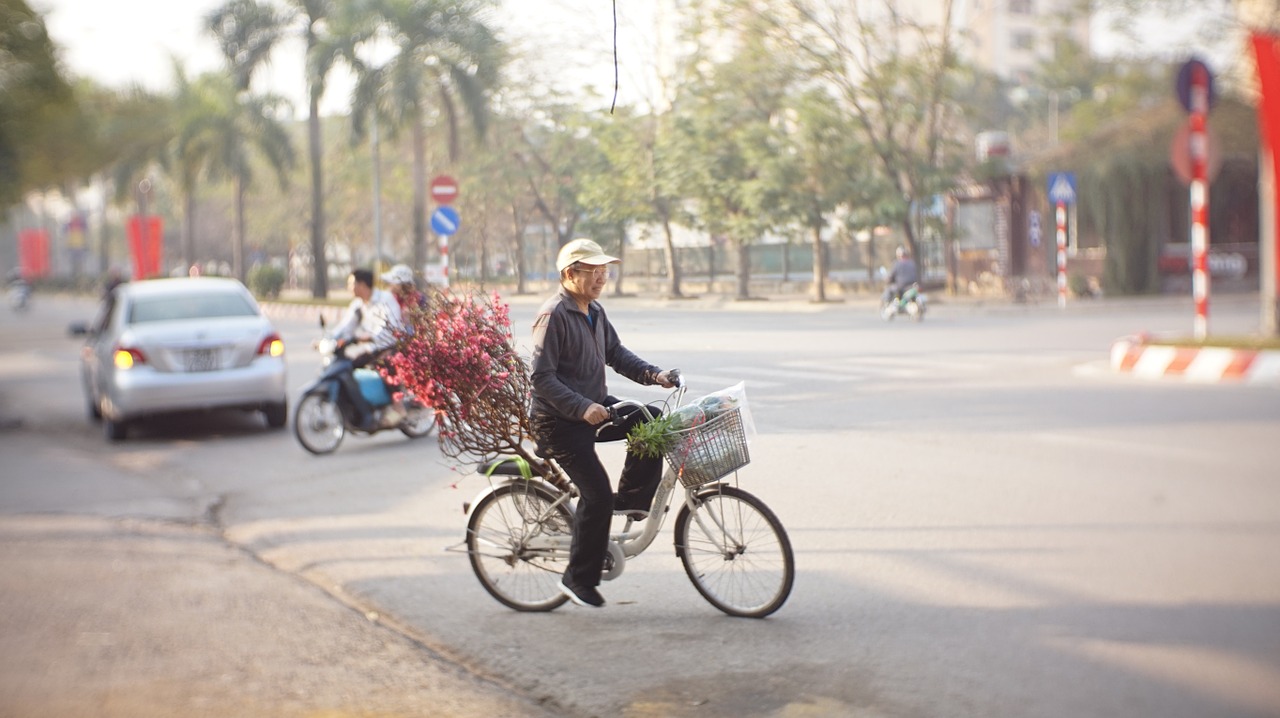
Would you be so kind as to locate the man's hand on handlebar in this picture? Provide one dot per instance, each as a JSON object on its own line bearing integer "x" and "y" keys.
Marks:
{"x": 669, "y": 379}
{"x": 596, "y": 414}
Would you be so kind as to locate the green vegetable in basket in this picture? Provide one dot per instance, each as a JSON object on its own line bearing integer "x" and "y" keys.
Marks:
{"x": 652, "y": 439}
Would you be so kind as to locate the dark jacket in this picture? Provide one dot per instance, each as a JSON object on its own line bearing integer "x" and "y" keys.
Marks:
{"x": 570, "y": 352}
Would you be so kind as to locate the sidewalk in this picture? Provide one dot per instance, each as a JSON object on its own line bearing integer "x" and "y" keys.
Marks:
{"x": 150, "y": 619}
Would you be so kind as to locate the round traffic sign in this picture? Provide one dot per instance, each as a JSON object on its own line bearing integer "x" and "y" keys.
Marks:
{"x": 445, "y": 221}
{"x": 444, "y": 189}
{"x": 1194, "y": 72}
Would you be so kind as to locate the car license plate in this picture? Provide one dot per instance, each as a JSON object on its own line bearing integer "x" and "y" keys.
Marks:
{"x": 202, "y": 360}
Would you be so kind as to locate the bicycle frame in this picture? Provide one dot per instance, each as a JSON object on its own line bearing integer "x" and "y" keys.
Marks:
{"x": 625, "y": 544}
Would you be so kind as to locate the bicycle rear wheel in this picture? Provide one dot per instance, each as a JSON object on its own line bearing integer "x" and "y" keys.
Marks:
{"x": 499, "y": 536}
{"x": 735, "y": 552}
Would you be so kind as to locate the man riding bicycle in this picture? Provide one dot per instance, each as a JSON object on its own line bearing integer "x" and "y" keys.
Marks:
{"x": 573, "y": 342}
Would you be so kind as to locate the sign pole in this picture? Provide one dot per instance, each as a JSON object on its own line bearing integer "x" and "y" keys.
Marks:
{"x": 444, "y": 259}
{"x": 444, "y": 190}
{"x": 1061, "y": 216}
{"x": 1200, "y": 198}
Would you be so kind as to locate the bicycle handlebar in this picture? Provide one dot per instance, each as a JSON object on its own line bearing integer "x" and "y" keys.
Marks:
{"x": 673, "y": 375}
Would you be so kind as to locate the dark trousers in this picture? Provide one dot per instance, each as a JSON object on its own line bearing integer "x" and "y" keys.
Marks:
{"x": 572, "y": 445}
{"x": 362, "y": 408}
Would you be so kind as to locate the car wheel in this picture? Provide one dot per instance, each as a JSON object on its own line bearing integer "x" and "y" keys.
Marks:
{"x": 277, "y": 415}
{"x": 114, "y": 430}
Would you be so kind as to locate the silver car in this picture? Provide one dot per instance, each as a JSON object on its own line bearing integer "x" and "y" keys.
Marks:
{"x": 169, "y": 345}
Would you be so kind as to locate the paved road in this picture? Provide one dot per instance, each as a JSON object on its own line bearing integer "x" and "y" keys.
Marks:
{"x": 986, "y": 521}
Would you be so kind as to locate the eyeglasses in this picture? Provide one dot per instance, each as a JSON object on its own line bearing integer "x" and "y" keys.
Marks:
{"x": 596, "y": 272}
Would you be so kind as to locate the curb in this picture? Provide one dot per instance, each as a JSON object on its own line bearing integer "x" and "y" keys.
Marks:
{"x": 1202, "y": 365}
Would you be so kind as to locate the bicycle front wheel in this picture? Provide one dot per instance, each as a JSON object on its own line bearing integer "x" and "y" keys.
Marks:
{"x": 735, "y": 552}
{"x": 509, "y": 539}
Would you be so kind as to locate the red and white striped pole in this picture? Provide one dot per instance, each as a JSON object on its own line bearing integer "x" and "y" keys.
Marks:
{"x": 444, "y": 259}
{"x": 1200, "y": 197}
{"x": 1061, "y": 216}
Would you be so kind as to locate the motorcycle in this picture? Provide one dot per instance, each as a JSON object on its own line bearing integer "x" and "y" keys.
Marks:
{"x": 325, "y": 413}
{"x": 911, "y": 303}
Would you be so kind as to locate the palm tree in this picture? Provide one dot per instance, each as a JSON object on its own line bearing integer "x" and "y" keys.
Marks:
{"x": 246, "y": 31}
{"x": 321, "y": 56}
{"x": 233, "y": 125}
{"x": 130, "y": 139}
{"x": 445, "y": 56}
{"x": 189, "y": 152}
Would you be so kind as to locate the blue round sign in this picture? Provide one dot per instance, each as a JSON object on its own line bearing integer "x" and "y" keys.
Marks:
{"x": 1187, "y": 75}
{"x": 445, "y": 220}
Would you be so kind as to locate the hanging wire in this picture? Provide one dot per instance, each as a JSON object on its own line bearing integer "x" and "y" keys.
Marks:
{"x": 615, "y": 57}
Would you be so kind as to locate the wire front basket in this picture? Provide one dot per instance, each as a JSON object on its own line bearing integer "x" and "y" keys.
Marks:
{"x": 710, "y": 450}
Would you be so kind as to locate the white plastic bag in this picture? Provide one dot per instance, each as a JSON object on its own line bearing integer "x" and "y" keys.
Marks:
{"x": 734, "y": 397}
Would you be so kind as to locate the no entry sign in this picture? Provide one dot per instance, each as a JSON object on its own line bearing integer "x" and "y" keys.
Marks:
{"x": 444, "y": 189}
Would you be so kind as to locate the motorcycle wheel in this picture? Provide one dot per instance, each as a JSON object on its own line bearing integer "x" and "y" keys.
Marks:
{"x": 916, "y": 311}
{"x": 420, "y": 421}
{"x": 887, "y": 311}
{"x": 318, "y": 424}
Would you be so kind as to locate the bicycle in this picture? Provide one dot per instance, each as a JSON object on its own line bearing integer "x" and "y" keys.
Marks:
{"x": 733, "y": 547}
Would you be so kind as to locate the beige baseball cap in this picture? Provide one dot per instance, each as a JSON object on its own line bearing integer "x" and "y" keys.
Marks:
{"x": 582, "y": 250}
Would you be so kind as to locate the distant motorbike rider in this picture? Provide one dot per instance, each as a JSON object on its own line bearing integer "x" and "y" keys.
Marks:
{"x": 366, "y": 331}
{"x": 903, "y": 275}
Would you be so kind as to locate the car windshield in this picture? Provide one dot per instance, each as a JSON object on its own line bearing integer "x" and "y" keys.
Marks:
{"x": 208, "y": 305}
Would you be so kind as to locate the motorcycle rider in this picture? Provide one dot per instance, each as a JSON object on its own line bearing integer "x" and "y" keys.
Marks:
{"x": 366, "y": 331}
{"x": 903, "y": 275}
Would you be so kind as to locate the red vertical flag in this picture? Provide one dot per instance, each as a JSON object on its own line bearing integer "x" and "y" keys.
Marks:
{"x": 146, "y": 245}
{"x": 33, "y": 253}
{"x": 1266, "y": 48}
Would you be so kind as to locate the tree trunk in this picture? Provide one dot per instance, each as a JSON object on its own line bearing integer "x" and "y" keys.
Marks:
{"x": 622, "y": 255}
{"x": 673, "y": 264}
{"x": 319, "y": 264}
{"x": 189, "y": 230}
{"x": 420, "y": 192}
{"x": 519, "y": 226}
{"x": 819, "y": 267}
{"x": 237, "y": 239}
{"x": 744, "y": 270}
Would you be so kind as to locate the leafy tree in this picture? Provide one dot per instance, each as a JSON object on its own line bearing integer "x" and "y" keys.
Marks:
{"x": 39, "y": 123}
{"x": 829, "y": 176}
{"x": 553, "y": 151}
{"x": 728, "y": 129}
{"x": 894, "y": 76}
{"x": 639, "y": 180}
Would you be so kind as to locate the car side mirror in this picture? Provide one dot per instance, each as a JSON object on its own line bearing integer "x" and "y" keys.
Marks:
{"x": 79, "y": 329}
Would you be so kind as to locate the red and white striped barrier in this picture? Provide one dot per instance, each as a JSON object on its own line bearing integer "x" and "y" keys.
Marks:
{"x": 1133, "y": 355}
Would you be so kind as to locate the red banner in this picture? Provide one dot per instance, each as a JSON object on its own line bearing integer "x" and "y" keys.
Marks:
{"x": 146, "y": 244}
{"x": 33, "y": 253}
{"x": 1266, "y": 48}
